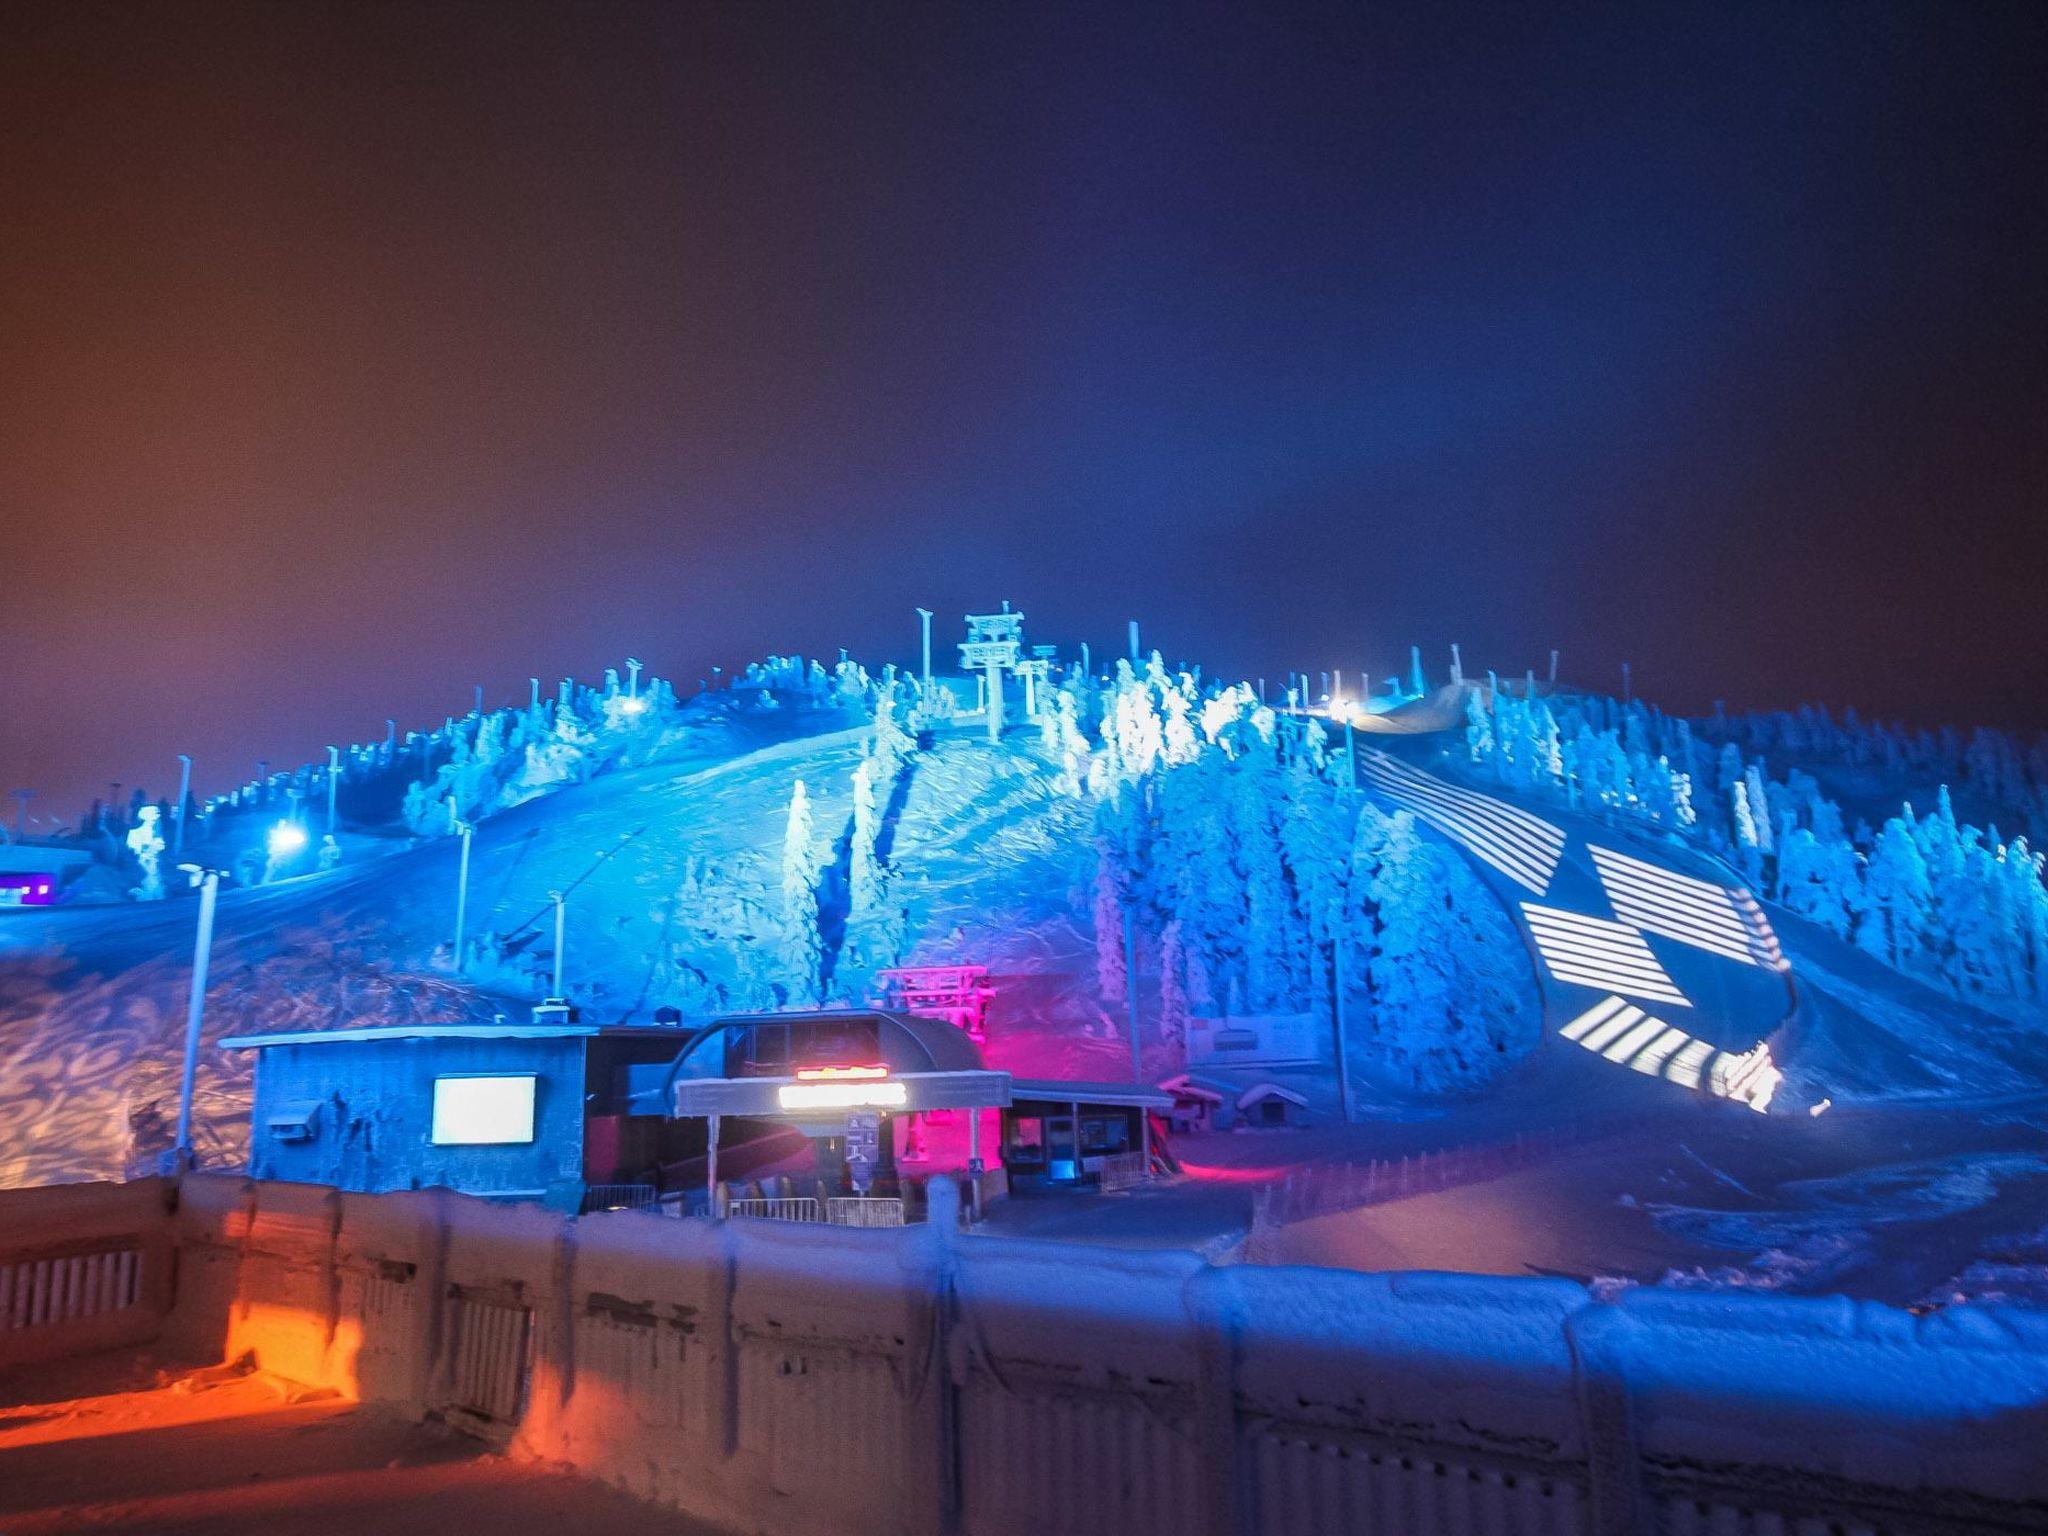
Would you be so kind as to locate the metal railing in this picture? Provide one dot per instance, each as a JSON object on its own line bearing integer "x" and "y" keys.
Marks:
{"x": 864, "y": 1211}
{"x": 618, "y": 1197}
{"x": 1121, "y": 1170}
{"x": 37, "y": 1293}
{"x": 780, "y": 1208}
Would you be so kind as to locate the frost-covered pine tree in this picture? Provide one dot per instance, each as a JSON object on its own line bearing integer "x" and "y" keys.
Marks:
{"x": 1073, "y": 746}
{"x": 1179, "y": 746}
{"x": 1744, "y": 822}
{"x": 1759, "y": 802}
{"x": 146, "y": 843}
{"x": 1173, "y": 993}
{"x": 803, "y": 950}
{"x": 861, "y": 874}
{"x": 1108, "y": 912}
{"x": 1452, "y": 998}
{"x": 1256, "y": 847}
{"x": 1895, "y": 895}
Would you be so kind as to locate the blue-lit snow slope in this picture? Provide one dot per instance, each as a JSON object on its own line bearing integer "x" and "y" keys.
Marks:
{"x": 673, "y": 875}
{"x": 1651, "y": 958}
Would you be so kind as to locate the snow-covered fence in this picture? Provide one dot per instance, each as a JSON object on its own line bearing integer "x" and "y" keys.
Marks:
{"x": 809, "y": 1379}
{"x": 1322, "y": 1189}
{"x": 82, "y": 1267}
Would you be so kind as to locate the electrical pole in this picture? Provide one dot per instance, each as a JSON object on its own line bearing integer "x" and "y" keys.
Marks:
{"x": 1134, "y": 642}
{"x": 195, "y": 1011}
{"x": 924, "y": 616}
{"x": 333, "y": 780}
{"x": 1342, "y": 981}
{"x": 1137, "y": 1058}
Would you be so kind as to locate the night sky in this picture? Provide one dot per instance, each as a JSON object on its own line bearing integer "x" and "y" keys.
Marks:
{"x": 354, "y": 354}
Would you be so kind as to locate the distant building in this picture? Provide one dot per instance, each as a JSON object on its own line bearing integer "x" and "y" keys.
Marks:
{"x": 826, "y": 1072}
{"x": 588, "y": 1116}
{"x": 510, "y": 1111}
{"x": 36, "y": 874}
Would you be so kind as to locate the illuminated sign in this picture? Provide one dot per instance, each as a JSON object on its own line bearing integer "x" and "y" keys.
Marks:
{"x": 843, "y": 1093}
{"x": 482, "y": 1111}
{"x": 827, "y": 1074}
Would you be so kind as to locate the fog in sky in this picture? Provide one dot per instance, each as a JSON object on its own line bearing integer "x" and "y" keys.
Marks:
{"x": 351, "y": 355}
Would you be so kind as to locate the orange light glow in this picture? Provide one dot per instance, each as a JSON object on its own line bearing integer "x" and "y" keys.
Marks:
{"x": 828, "y": 1074}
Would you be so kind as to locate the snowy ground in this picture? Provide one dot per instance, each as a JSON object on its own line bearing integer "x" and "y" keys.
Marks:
{"x": 118, "y": 1443}
{"x": 1925, "y": 1179}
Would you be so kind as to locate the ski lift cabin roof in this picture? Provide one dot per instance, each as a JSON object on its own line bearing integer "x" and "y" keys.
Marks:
{"x": 1261, "y": 1091}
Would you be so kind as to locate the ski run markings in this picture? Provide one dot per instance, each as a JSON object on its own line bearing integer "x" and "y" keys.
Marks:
{"x": 1622, "y": 1033}
{"x": 1525, "y": 848}
{"x": 1593, "y": 952}
{"x": 1697, "y": 912}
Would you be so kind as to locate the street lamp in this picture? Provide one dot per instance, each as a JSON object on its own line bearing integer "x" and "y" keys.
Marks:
{"x": 184, "y": 794}
{"x": 463, "y": 830}
{"x": 333, "y": 778}
{"x": 924, "y": 616}
{"x": 283, "y": 840}
{"x": 561, "y": 938}
{"x": 208, "y": 881}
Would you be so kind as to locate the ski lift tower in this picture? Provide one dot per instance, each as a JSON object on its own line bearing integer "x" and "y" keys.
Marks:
{"x": 1036, "y": 670}
{"x": 995, "y": 641}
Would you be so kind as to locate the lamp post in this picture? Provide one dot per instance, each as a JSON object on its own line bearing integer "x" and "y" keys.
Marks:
{"x": 208, "y": 881}
{"x": 1134, "y": 642}
{"x": 924, "y": 616}
{"x": 561, "y": 937}
{"x": 333, "y": 779}
{"x": 463, "y": 830}
{"x": 632, "y": 677}
{"x": 184, "y": 794}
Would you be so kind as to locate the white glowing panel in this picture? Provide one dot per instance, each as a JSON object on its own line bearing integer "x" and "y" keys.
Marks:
{"x": 482, "y": 1111}
{"x": 1696, "y": 912}
{"x": 1525, "y": 848}
{"x": 1622, "y": 1033}
{"x": 842, "y": 1095}
{"x": 1592, "y": 952}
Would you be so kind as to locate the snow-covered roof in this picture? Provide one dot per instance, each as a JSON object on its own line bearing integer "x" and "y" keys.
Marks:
{"x": 1188, "y": 1085}
{"x": 451, "y": 1032}
{"x": 1132, "y": 1095}
{"x": 1259, "y": 1091}
{"x": 933, "y": 1044}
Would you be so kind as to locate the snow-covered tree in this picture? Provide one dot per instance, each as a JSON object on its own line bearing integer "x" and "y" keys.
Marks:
{"x": 861, "y": 874}
{"x": 146, "y": 843}
{"x": 1108, "y": 911}
{"x": 1894, "y": 898}
{"x": 1452, "y": 999}
{"x": 802, "y": 946}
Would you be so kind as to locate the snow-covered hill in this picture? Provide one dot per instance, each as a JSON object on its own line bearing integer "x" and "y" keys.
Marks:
{"x": 1516, "y": 954}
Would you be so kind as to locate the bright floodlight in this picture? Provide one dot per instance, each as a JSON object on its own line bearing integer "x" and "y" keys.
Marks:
{"x": 633, "y": 704}
{"x": 286, "y": 839}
